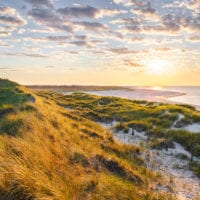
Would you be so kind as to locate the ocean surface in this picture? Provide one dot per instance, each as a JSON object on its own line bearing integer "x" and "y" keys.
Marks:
{"x": 186, "y": 95}
{"x": 192, "y": 95}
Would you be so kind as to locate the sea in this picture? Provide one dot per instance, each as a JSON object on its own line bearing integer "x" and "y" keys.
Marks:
{"x": 192, "y": 95}
{"x": 184, "y": 94}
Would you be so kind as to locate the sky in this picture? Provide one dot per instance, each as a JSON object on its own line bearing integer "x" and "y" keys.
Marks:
{"x": 100, "y": 42}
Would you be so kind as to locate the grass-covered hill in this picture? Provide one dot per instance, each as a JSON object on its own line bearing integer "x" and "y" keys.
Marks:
{"x": 162, "y": 123}
{"x": 50, "y": 153}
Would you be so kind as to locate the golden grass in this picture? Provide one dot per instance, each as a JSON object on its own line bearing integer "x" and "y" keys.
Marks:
{"x": 53, "y": 156}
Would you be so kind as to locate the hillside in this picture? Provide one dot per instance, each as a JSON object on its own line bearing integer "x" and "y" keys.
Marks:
{"x": 49, "y": 152}
{"x": 158, "y": 120}
{"x": 169, "y": 134}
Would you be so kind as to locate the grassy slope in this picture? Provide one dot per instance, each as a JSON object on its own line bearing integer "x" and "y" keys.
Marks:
{"x": 47, "y": 152}
{"x": 155, "y": 120}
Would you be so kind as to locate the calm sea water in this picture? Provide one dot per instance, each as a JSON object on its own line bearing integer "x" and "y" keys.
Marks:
{"x": 185, "y": 95}
{"x": 192, "y": 95}
{"x": 162, "y": 94}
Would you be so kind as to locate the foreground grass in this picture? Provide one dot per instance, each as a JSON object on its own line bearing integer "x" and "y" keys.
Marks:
{"x": 48, "y": 152}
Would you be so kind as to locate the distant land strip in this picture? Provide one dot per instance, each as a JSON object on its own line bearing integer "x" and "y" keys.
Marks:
{"x": 74, "y": 88}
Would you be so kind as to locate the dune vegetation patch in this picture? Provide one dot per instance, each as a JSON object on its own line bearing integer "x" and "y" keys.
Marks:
{"x": 161, "y": 122}
{"x": 49, "y": 152}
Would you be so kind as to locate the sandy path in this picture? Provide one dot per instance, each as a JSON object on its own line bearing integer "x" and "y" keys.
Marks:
{"x": 184, "y": 184}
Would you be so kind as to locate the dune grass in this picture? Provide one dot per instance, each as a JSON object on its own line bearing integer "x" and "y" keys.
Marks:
{"x": 156, "y": 120}
{"x": 49, "y": 152}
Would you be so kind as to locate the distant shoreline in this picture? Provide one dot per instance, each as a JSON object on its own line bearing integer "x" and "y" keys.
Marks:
{"x": 147, "y": 94}
{"x": 76, "y": 88}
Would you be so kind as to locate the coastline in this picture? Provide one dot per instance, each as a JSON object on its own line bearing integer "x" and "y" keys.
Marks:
{"x": 151, "y": 95}
{"x": 159, "y": 96}
{"x": 135, "y": 93}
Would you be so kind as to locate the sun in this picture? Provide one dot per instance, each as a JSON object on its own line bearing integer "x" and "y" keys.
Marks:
{"x": 157, "y": 66}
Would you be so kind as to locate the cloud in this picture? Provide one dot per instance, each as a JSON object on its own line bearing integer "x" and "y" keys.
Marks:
{"x": 49, "y": 18}
{"x": 7, "y": 10}
{"x": 34, "y": 55}
{"x": 169, "y": 24}
{"x": 141, "y": 6}
{"x": 136, "y": 39}
{"x": 80, "y": 43}
{"x": 169, "y": 28}
{"x": 40, "y": 3}
{"x": 58, "y": 38}
{"x": 192, "y": 24}
{"x": 165, "y": 49}
{"x": 92, "y": 26}
{"x": 22, "y": 31}
{"x": 168, "y": 5}
{"x": 10, "y": 21}
{"x": 194, "y": 38}
{"x": 85, "y": 41}
{"x": 194, "y": 4}
{"x": 144, "y": 8}
{"x": 43, "y": 15}
{"x": 52, "y": 38}
{"x": 45, "y": 30}
{"x": 3, "y": 44}
{"x": 110, "y": 12}
{"x": 4, "y": 33}
{"x": 87, "y": 11}
{"x": 95, "y": 28}
{"x": 9, "y": 16}
{"x": 132, "y": 63}
{"x": 133, "y": 29}
{"x": 119, "y": 1}
{"x": 16, "y": 21}
{"x": 77, "y": 40}
{"x": 79, "y": 12}
{"x": 176, "y": 22}
{"x": 122, "y": 50}
{"x": 81, "y": 37}
{"x": 72, "y": 52}
{"x": 124, "y": 2}
{"x": 131, "y": 21}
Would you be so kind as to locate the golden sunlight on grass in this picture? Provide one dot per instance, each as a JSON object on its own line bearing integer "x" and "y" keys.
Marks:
{"x": 50, "y": 153}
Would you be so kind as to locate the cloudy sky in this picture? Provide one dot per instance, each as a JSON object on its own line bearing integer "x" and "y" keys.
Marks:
{"x": 102, "y": 42}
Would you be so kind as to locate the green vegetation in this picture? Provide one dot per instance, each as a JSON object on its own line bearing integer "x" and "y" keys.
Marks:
{"x": 49, "y": 152}
{"x": 157, "y": 120}
{"x": 11, "y": 94}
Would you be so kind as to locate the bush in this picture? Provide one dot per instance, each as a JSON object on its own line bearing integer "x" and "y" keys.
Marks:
{"x": 11, "y": 127}
{"x": 195, "y": 166}
{"x": 182, "y": 156}
{"x": 139, "y": 125}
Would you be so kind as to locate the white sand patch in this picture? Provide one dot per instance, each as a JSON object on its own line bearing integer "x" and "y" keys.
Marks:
{"x": 194, "y": 128}
{"x": 183, "y": 183}
{"x": 110, "y": 124}
{"x": 138, "y": 138}
{"x": 180, "y": 117}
